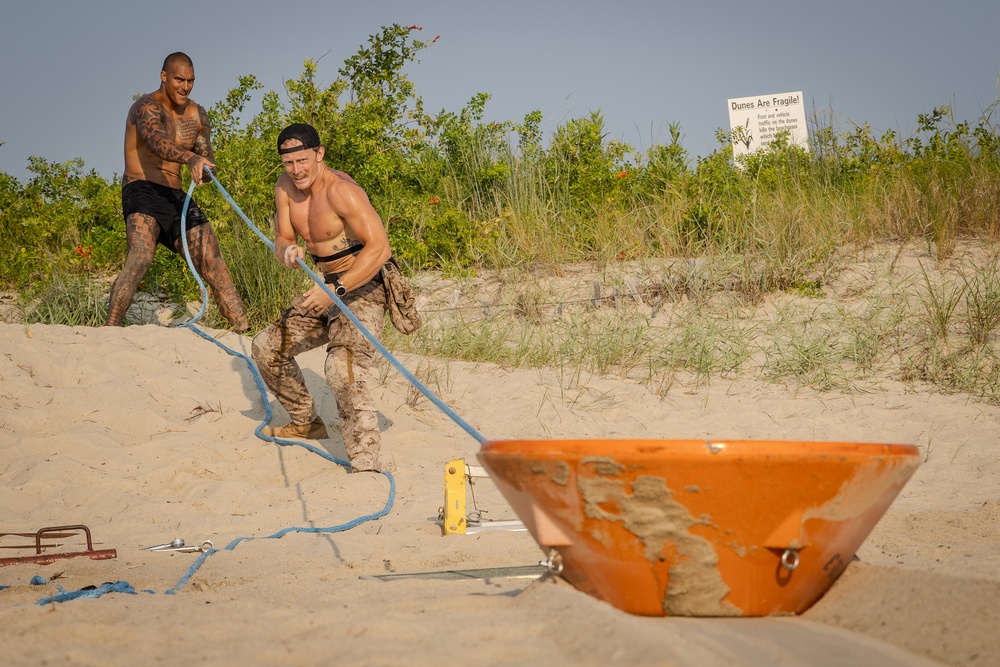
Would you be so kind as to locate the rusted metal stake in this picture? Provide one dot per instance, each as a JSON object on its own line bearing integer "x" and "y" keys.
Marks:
{"x": 45, "y": 559}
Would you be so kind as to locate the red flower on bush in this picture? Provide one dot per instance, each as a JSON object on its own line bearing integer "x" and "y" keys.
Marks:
{"x": 414, "y": 27}
{"x": 622, "y": 174}
{"x": 84, "y": 252}
{"x": 434, "y": 200}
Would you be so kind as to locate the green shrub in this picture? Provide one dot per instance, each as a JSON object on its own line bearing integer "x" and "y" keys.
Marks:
{"x": 460, "y": 192}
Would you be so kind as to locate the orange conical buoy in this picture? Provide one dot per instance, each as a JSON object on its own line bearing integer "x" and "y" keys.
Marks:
{"x": 700, "y": 528}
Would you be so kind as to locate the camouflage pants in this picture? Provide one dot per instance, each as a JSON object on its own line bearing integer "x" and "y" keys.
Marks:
{"x": 348, "y": 366}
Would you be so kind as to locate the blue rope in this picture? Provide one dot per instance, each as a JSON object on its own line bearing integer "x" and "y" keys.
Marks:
{"x": 125, "y": 587}
{"x": 95, "y": 592}
{"x": 190, "y": 324}
{"x": 395, "y": 362}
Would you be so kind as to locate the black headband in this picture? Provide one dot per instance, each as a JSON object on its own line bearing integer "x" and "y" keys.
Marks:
{"x": 293, "y": 149}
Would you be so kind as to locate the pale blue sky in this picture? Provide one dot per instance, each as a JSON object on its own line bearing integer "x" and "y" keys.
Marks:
{"x": 71, "y": 67}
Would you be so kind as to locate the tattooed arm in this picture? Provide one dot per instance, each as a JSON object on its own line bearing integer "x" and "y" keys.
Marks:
{"x": 203, "y": 142}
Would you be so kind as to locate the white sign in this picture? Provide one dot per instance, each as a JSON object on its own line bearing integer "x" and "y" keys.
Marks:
{"x": 756, "y": 121}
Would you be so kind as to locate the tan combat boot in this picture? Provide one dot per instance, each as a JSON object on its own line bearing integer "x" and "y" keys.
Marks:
{"x": 314, "y": 430}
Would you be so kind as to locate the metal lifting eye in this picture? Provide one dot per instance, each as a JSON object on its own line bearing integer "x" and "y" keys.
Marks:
{"x": 790, "y": 559}
{"x": 553, "y": 563}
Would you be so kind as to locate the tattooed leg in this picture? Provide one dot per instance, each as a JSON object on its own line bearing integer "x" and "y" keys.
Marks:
{"x": 141, "y": 232}
{"x": 207, "y": 259}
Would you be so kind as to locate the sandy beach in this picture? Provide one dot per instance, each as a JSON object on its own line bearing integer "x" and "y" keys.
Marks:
{"x": 146, "y": 433}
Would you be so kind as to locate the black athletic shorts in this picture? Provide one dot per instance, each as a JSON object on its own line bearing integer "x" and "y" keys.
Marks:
{"x": 164, "y": 204}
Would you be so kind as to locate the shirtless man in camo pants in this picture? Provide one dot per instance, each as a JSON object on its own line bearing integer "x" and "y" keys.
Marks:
{"x": 347, "y": 241}
{"x": 165, "y": 130}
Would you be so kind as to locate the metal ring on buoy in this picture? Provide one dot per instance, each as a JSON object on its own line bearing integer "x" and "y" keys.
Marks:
{"x": 790, "y": 559}
{"x": 553, "y": 563}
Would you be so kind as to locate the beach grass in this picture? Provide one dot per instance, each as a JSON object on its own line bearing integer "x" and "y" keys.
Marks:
{"x": 861, "y": 257}
{"x": 883, "y": 316}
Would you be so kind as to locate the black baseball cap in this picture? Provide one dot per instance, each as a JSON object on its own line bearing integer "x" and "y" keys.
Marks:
{"x": 305, "y": 133}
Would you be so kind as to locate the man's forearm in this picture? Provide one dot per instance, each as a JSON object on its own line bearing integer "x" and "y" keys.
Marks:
{"x": 203, "y": 142}
{"x": 281, "y": 246}
{"x": 165, "y": 149}
{"x": 159, "y": 143}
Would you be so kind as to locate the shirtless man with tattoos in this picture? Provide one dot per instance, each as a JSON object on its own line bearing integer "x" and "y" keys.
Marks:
{"x": 165, "y": 130}
{"x": 347, "y": 241}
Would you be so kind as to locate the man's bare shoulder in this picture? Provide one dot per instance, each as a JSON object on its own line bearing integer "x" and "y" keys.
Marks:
{"x": 343, "y": 176}
{"x": 194, "y": 110}
{"x": 145, "y": 105}
{"x": 200, "y": 112}
{"x": 341, "y": 185}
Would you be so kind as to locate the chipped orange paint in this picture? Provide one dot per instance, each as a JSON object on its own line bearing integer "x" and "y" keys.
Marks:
{"x": 699, "y": 528}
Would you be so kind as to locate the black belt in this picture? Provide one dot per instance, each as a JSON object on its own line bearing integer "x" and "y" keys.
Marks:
{"x": 353, "y": 250}
{"x": 328, "y": 278}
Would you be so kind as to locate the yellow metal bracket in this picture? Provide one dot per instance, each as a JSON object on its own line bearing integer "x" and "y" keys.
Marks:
{"x": 459, "y": 479}
{"x": 453, "y": 519}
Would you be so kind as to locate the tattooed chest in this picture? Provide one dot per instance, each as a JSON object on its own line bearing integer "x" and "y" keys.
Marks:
{"x": 184, "y": 131}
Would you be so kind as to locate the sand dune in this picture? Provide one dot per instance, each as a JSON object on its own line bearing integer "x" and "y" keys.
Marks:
{"x": 147, "y": 433}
